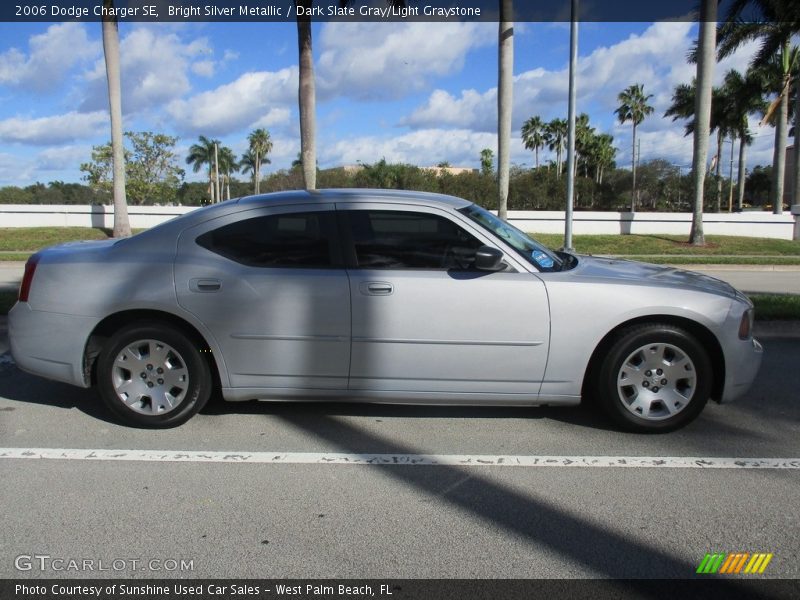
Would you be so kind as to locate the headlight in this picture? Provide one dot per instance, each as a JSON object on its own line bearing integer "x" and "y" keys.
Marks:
{"x": 746, "y": 324}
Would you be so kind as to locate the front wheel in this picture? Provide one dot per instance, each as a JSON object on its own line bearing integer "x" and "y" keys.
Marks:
{"x": 153, "y": 376}
{"x": 655, "y": 378}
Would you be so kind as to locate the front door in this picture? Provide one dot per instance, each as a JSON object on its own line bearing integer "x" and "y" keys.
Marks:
{"x": 425, "y": 321}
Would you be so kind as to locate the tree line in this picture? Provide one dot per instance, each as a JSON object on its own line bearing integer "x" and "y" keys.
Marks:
{"x": 661, "y": 186}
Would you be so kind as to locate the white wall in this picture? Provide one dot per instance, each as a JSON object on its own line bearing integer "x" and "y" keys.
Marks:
{"x": 755, "y": 224}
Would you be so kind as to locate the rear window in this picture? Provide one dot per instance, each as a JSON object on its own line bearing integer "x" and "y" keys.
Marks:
{"x": 299, "y": 240}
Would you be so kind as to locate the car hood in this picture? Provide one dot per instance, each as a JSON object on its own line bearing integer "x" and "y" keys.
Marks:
{"x": 632, "y": 272}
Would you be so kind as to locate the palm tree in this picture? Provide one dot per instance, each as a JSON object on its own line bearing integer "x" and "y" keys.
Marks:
{"x": 227, "y": 166}
{"x": 122, "y": 225}
{"x": 260, "y": 146}
{"x": 603, "y": 154}
{"x": 247, "y": 164}
{"x": 307, "y": 95}
{"x": 744, "y": 96}
{"x": 556, "y": 135}
{"x": 487, "y": 161}
{"x": 633, "y": 107}
{"x": 202, "y": 154}
{"x": 533, "y": 136}
{"x": 584, "y": 136}
{"x": 702, "y": 113}
{"x": 773, "y": 23}
{"x": 505, "y": 84}
{"x": 683, "y": 107}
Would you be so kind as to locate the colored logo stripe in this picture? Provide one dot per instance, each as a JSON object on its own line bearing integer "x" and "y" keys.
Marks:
{"x": 734, "y": 563}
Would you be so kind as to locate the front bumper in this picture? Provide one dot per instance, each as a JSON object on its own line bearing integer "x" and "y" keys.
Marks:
{"x": 49, "y": 344}
{"x": 742, "y": 369}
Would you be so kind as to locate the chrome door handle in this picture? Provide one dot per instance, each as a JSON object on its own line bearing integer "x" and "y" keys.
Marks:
{"x": 205, "y": 285}
{"x": 376, "y": 288}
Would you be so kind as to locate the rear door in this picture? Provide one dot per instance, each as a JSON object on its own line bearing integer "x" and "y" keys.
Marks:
{"x": 424, "y": 320}
{"x": 270, "y": 285}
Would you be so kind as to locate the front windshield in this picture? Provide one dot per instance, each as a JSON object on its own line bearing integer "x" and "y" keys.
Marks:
{"x": 541, "y": 257}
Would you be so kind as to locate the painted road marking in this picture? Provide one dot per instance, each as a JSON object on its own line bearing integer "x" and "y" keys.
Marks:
{"x": 461, "y": 460}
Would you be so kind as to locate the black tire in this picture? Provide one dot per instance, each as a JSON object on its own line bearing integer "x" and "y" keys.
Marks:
{"x": 164, "y": 363}
{"x": 641, "y": 399}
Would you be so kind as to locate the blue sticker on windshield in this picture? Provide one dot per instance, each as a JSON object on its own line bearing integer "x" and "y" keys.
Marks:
{"x": 542, "y": 259}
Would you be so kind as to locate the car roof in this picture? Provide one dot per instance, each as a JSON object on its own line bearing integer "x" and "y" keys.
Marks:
{"x": 353, "y": 195}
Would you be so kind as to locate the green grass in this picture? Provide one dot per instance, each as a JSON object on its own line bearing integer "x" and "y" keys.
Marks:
{"x": 672, "y": 245}
{"x": 776, "y": 307}
{"x": 716, "y": 260}
{"x": 32, "y": 239}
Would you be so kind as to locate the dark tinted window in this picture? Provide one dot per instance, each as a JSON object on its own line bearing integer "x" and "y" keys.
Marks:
{"x": 283, "y": 240}
{"x": 409, "y": 240}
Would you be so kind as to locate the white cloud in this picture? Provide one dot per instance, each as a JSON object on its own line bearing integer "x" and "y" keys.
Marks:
{"x": 51, "y": 55}
{"x": 60, "y": 158}
{"x": 53, "y": 130}
{"x": 155, "y": 70}
{"x": 261, "y": 97}
{"x": 370, "y": 61}
{"x": 15, "y": 171}
{"x": 204, "y": 68}
{"x": 656, "y": 58}
{"x": 427, "y": 147}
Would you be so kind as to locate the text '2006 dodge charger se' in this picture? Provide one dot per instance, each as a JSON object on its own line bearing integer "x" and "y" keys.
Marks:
{"x": 381, "y": 296}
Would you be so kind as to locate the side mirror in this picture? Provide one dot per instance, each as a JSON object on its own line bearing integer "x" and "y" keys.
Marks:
{"x": 488, "y": 259}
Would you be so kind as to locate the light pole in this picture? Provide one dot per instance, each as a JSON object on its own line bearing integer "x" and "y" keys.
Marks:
{"x": 573, "y": 67}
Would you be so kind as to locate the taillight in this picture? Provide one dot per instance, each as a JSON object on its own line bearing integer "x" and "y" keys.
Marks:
{"x": 27, "y": 278}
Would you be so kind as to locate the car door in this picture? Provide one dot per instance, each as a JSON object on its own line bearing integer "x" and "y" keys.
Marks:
{"x": 425, "y": 321}
{"x": 270, "y": 286}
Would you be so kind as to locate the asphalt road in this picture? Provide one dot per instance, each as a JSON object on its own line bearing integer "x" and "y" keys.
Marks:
{"x": 331, "y": 519}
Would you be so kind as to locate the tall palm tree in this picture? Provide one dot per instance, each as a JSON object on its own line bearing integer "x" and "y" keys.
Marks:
{"x": 505, "y": 84}
{"x": 584, "y": 136}
{"x": 247, "y": 164}
{"x": 633, "y": 107}
{"x": 702, "y": 113}
{"x": 260, "y": 146}
{"x": 603, "y": 154}
{"x": 307, "y": 100}
{"x": 744, "y": 95}
{"x": 227, "y": 166}
{"x": 533, "y": 136}
{"x": 556, "y": 136}
{"x": 200, "y": 155}
{"x": 683, "y": 106}
{"x": 774, "y": 23}
{"x": 122, "y": 225}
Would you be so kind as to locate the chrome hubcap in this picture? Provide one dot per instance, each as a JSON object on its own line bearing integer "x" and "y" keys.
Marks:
{"x": 150, "y": 377}
{"x": 656, "y": 381}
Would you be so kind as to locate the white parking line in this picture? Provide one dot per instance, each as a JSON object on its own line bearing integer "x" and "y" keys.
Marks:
{"x": 460, "y": 460}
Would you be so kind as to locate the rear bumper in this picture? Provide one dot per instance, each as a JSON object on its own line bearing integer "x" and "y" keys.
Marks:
{"x": 49, "y": 344}
{"x": 742, "y": 369}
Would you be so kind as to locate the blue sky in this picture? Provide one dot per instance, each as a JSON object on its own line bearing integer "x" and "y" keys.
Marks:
{"x": 420, "y": 93}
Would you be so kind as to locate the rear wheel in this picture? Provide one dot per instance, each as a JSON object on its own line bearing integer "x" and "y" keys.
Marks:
{"x": 153, "y": 376}
{"x": 655, "y": 378}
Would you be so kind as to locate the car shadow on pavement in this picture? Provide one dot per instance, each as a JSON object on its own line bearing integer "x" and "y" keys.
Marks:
{"x": 529, "y": 514}
{"x": 21, "y": 387}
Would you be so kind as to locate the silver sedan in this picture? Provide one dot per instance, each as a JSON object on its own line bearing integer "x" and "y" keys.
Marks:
{"x": 381, "y": 296}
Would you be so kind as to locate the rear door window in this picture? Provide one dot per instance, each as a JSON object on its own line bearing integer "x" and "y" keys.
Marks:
{"x": 286, "y": 240}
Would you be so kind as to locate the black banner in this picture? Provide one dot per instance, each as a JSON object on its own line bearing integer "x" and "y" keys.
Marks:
{"x": 352, "y": 10}
{"x": 399, "y": 589}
